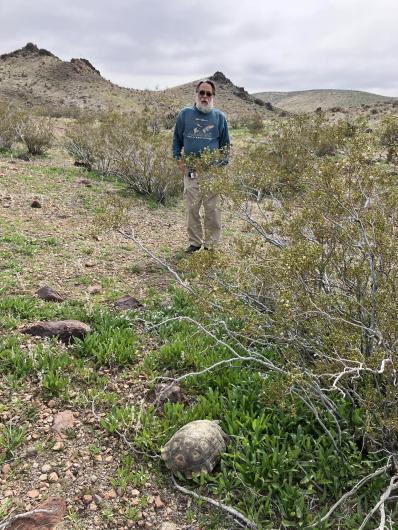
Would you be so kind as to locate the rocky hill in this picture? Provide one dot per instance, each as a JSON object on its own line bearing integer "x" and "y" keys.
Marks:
{"x": 36, "y": 77}
{"x": 310, "y": 100}
{"x": 233, "y": 100}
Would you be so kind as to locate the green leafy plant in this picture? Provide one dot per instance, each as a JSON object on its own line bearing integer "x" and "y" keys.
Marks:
{"x": 129, "y": 473}
{"x": 11, "y": 437}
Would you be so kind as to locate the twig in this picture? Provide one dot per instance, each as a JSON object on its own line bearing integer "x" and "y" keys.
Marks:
{"x": 232, "y": 511}
{"x": 349, "y": 494}
{"x": 7, "y": 524}
{"x": 259, "y": 359}
{"x": 133, "y": 238}
{"x": 381, "y": 505}
{"x": 122, "y": 436}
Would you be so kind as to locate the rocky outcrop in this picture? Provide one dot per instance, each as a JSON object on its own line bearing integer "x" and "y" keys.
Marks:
{"x": 81, "y": 65}
{"x": 29, "y": 50}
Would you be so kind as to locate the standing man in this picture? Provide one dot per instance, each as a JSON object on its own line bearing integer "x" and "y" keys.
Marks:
{"x": 198, "y": 128}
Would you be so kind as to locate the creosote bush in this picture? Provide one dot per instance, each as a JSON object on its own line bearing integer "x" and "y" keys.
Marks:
{"x": 307, "y": 301}
{"x": 36, "y": 132}
{"x": 389, "y": 136}
{"x": 10, "y": 117}
{"x": 131, "y": 147}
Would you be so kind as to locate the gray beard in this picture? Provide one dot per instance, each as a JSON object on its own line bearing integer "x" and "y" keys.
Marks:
{"x": 204, "y": 108}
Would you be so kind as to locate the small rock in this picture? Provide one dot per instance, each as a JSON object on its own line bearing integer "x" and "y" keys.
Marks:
{"x": 159, "y": 504}
{"x": 97, "y": 498}
{"x": 168, "y": 526}
{"x": 8, "y": 493}
{"x": 168, "y": 392}
{"x": 49, "y": 294}
{"x": 127, "y": 302}
{"x": 5, "y": 470}
{"x": 46, "y": 468}
{"x": 85, "y": 182}
{"x": 135, "y": 493}
{"x": 53, "y": 477}
{"x": 94, "y": 289}
{"x": 35, "y": 204}
{"x": 33, "y": 494}
{"x": 51, "y": 404}
{"x": 58, "y": 446}
{"x": 63, "y": 420}
{"x": 93, "y": 507}
{"x": 111, "y": 494}
{"x": 43, "y": 477}
{"x": 87, "y": 499}
{"x": 89, "y": 264}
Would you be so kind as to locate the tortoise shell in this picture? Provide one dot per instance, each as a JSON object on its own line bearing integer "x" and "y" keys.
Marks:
{"x": 195, "y": 448}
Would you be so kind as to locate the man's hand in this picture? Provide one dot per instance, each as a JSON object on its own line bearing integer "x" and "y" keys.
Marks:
{"x": 181, "y": 167}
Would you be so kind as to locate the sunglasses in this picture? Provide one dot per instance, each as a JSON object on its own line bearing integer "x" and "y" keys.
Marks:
{"x": 205, "y": 93}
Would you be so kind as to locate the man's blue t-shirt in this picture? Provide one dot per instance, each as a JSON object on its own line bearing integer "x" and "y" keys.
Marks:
{"x": 196, "y": 131}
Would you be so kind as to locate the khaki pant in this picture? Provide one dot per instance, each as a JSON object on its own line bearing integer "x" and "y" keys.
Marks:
{"x": 209, "y": 235}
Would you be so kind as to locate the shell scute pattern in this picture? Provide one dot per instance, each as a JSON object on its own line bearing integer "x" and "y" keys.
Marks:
{"x": 195, "y": 448}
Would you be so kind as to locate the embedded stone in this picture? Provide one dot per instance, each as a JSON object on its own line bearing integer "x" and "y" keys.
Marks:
{"x": 127, "y": 302}
{"x": 65, "y": 330}
{"x": 49, "y": 294}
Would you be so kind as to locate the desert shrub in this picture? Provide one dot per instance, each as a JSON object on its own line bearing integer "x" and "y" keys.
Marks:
{"x": 147, "y": 167}
{"x": 389, "y": 136}
{"x": 59, "y": 111}
{"x": 9, "y": 119}
{"x": 307, "y": 302}
{"x": 254, "y": 123}
{"x": 284, "y": 460}
{"x": 324, "y": 267}
{"x": 279, "y": 163}
{"x": 130, "y": 147}
{"x": 235, "y": 123}
{"x": 80, "y": 142}
{"x": 36, "y": 133}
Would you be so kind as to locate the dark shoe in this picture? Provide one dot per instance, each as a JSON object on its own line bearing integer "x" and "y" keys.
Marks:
{"x": 191, "y": 249}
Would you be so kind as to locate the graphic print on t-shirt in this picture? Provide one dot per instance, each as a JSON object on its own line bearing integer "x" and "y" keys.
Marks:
{"x": 202, "y": 129}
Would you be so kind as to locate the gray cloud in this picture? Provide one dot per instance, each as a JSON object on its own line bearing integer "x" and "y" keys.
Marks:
{"x": 287, "y": 46}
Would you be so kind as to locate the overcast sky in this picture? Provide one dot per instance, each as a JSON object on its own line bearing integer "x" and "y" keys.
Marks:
{"x": 262, "y": 45}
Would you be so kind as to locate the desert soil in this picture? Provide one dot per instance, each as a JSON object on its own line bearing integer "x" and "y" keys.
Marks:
{"x": 83, "y": 263}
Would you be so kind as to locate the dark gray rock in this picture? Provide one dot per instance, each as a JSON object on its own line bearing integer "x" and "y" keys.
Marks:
{"x": 167, "y": 392}
{"x": 127, "y": 302}
{"x": 49, "y": 294}
{"x": 65, "y": 330}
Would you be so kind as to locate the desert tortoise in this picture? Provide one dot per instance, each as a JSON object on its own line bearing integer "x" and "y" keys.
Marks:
{"x": 195, "y": 448}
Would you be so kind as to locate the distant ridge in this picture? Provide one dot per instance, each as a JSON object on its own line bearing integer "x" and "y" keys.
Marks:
{"x": 310, "y": 100}
{"x": 232, "y": 99}
{"x": 34, "y": 76}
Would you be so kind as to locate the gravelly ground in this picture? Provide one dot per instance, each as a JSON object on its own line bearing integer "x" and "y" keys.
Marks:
{"x": 82, "y": 263}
